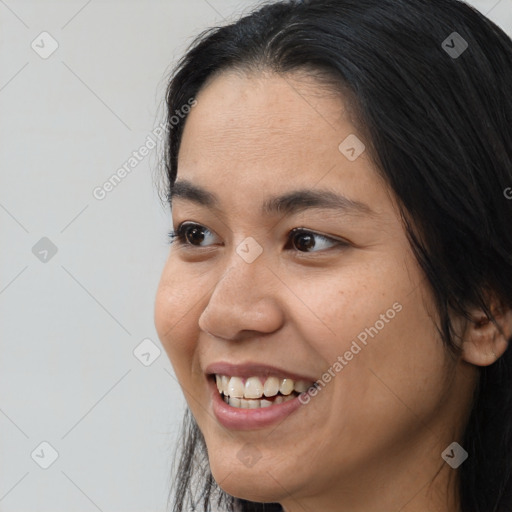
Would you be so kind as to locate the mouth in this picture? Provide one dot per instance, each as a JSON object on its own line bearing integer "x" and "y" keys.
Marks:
{"x": 254, "y": 396}
{"x": 257, "y": 392}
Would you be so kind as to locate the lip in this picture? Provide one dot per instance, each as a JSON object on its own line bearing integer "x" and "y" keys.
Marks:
{"x": 251, "y": 369}
{"x": 235, "y": 418}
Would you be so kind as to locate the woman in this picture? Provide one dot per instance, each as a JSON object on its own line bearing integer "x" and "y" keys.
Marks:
{"x": 337, "y": 300}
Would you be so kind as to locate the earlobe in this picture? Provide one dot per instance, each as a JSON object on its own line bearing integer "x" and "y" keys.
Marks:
{"x": 483, "y": 343}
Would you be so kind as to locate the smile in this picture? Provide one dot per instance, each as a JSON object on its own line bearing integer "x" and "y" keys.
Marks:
{"x": 253, "y": 395}
{"x": 257, "y": 392}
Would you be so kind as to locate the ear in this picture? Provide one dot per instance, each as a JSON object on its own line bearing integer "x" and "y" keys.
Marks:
{"x": 483, "y": 343}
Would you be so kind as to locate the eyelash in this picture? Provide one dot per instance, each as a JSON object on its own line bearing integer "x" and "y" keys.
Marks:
{"x": 178, "y": 236}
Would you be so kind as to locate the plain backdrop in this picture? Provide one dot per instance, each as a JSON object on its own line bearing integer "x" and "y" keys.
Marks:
{"x": 89, "y": 405}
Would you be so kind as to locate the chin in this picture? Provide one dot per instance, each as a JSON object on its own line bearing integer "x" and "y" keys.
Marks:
{"x": 249, "y": 483}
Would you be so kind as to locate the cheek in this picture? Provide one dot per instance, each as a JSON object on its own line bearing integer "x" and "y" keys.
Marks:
{"x": 396, "y": 377}
{"x": 345, "y": 309}
{"x": 412, "y": 359}
{"x": 176, "y": 305}
{"x": 392, "y": 372}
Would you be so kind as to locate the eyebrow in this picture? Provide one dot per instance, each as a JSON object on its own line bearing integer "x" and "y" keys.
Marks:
{"x": 288, "y": 204}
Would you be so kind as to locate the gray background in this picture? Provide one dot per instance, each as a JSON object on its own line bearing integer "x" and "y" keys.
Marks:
{"x": 70, "y": 321}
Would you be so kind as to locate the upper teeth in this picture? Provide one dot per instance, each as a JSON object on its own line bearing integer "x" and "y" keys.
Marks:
{"x": 255, "y": 388}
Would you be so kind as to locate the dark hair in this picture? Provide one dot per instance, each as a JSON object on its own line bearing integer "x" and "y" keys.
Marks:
{"x": 438, "y": 126}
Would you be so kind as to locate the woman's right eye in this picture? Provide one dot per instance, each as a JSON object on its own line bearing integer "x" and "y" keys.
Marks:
{"x": 189, "y": 234}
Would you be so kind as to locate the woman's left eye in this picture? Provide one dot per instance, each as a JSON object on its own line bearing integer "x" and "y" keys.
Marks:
{"x": 303, "y": 240}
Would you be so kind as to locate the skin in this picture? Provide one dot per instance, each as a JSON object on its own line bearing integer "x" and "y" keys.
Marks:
{"x": 371, "y": 440}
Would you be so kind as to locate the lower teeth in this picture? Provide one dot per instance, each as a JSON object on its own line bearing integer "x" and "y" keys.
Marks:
{"x": 256, "y": 403}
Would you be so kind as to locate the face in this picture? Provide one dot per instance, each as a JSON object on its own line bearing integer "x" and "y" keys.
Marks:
{"x": 294, "y": 268}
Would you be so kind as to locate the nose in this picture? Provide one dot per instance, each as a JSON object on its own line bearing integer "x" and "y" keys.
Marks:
{"x": 244, "y": 301}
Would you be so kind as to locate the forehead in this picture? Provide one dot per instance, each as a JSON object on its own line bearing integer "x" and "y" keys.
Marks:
{"x": 266, "y": 117}
{"x": 261, "y": 134}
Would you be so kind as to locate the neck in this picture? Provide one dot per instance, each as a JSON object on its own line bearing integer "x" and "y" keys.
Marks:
{"x": 420, "y": 482}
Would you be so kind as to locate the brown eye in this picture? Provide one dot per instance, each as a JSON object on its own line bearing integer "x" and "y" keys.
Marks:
{"x": 193, "y": 234}
{"x": 304, "y": 241}
{"x": 189, "y": 234}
